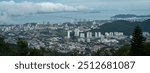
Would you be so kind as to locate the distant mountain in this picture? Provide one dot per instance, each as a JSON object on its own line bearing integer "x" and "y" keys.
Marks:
{"x": 129, "y": 16}
{"x": 146, "y": 25}
{"x": 123, "y": 26}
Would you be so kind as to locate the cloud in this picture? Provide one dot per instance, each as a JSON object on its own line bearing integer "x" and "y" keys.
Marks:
{"x": 8, "y": 8}
{"x": 3, "y": 16}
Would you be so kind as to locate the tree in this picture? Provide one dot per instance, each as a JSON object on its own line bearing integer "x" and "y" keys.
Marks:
{"x": 35, "y": 52}
{"x": 2, "y": 46}
{"x": 23, "y": 49}
{"x": 146, "y": 51}
{"x": 124, "y": 50}
{"x": 104, "y": 52}
{"x": 137, "y": 42}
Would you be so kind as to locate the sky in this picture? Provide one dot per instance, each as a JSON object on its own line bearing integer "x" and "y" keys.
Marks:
{"x": 20, "y": 7}
{"x": 25, "y": 7}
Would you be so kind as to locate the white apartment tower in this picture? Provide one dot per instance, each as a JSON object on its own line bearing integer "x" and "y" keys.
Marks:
{"x": 96, "y": 34}
{"x": 82, "y": 35}
{"x": 68, "y": 33}
{"x": 99, "y": 34}
{"x": 77, "y": 32}
{"x": 89, "y": 34}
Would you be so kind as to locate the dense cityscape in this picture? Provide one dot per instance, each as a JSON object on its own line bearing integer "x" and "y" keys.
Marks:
{"x": 68, "y": 36}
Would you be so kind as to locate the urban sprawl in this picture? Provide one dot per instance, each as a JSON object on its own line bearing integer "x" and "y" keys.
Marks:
{"x": 67, "y": 36}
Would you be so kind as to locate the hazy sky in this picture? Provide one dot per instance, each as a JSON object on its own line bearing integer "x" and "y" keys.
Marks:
{"x": 25, "y": 7}
{"x": 74, "y": 5}
{"x": 101, "y": 4}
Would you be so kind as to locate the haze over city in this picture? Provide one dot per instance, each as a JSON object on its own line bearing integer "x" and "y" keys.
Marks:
{"x": 23, "y": 11}
{"x": 75, "y": 27}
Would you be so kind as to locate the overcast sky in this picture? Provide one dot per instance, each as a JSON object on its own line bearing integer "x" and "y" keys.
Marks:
{"x": 21, "y": 7}
{"x": 10, "y": 8}
{"x": 101, "y": 4}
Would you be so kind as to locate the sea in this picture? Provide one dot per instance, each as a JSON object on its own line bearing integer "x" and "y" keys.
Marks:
{"x": 61, "y": 17}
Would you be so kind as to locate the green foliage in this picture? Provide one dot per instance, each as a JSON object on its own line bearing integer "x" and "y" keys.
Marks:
{"x": 137, "y": 47}
{"x": 124, "y": 50}
{"x": 123, "y": 26}
{"x": 75, "y": 53}
{"x": 4, "y": 49}
{"x": 2, "y": 45}
{"x": 137, "y": 42}
{"x": 146, "y": 50}
{"x": 104, "y": 52}
{"x": 2, "y": 40}
{"x": 23, "y": 49}
{"x": 35, "y": 52}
